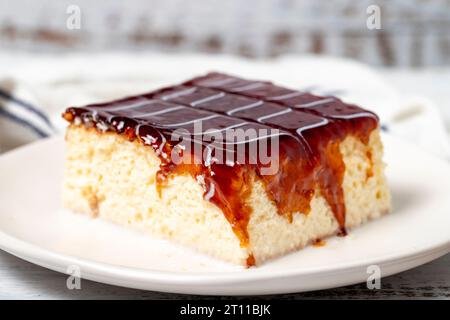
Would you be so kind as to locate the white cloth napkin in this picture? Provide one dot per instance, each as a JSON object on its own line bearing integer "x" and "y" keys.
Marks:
{"x": 48, "y": 84}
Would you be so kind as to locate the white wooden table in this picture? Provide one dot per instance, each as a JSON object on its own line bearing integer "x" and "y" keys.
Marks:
{"x": 22, "y": 280}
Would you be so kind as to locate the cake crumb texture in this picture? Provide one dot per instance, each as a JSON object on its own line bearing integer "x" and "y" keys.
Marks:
{"x": 110, "y": 177}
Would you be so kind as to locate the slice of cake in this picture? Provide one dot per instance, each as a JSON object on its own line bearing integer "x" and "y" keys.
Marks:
{"x": 241, "y": 170}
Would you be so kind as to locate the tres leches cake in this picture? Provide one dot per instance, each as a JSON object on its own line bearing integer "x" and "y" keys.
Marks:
{"x": 241, "y": 170}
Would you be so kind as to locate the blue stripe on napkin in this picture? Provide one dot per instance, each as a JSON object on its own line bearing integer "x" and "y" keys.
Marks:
{"x": 25, "y": 105}
{"x": 24, "y": 123}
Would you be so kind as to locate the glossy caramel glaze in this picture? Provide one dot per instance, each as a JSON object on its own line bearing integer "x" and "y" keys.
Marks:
{"x": 310, "y": 130}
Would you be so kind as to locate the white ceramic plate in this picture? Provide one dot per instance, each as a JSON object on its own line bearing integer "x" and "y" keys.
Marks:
{"x": 33, "y": 226}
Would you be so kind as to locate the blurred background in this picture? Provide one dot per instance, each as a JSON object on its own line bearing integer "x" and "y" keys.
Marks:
{"x": 389, "y": 56}
{"x": 414, "y": 33}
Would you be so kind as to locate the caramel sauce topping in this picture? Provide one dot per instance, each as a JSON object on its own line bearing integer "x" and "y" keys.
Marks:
{"x": 319, "y": 243}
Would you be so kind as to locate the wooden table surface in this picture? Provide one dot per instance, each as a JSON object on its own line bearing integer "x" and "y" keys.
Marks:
{"x": 22, "y": 280}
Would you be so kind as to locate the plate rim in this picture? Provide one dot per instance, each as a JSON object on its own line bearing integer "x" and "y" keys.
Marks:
{"x": 24, "y": 248}
{"x": 122, "y": 275}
